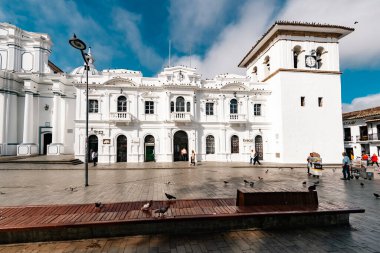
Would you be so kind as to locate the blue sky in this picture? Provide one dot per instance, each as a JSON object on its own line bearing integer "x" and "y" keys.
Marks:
{"x": 134, "y": 34}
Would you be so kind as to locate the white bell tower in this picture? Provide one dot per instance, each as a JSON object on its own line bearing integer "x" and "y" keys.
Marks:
{"x": 300, "y": 64}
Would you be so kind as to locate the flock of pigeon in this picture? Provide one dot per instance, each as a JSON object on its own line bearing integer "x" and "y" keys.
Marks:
{"x": 163, "y": 209}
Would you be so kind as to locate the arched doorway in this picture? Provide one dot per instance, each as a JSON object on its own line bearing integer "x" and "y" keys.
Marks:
{"x": 47, "y": 141}
{"x": 259, "y": 146}
{"x": 149, "y": 149}
{"x": 121, "y": 149}
{"x": 92, "y": 146}
{"x": 180, "y": 141}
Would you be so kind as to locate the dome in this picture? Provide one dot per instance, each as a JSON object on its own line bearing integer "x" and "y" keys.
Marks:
{"x": 81, "y": 70}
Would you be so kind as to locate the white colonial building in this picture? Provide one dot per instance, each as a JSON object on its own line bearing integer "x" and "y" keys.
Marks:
{"x": 362, "y": 132}
{"x": 287, "y": 105}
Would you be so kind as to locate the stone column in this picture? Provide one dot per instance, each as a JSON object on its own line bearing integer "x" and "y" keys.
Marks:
{"x": 28, "y": 147}
{"x": 56, "y": 147}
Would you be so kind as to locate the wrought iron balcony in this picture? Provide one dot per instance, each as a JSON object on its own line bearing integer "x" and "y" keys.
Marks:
{"x": 180, "y": 116}
{"x": 374, "y": 137}
{"x": 362, "y": 138}
{"x": 122, "y": 117}
{"x": 347, "y": 138}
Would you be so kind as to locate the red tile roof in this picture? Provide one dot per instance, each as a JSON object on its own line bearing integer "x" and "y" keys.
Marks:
{"x": 375, "y": 111}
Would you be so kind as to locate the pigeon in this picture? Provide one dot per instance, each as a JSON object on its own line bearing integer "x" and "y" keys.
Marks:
{"x": 356, "y": 22}
{"x": 362, "y": 184}
{"x": 147, "y": 206}
{"x": 376, "y": 195}
{"x": 260, "y": 178}
{"x": 304, "y": 182}
{"x": 162, "y": 210}
{"x": 98, "y": 204}
{"x": 226, "y": 182}
{"x": 291, "y": 168}
{"x": 266, "y": 171}
{"x": 251, "y": 184}
{"x": 316, "y": 183}
{"x": 246, "y": 182}
{"x": 2, "y": 193}
{"x": 170, "y": 196}
{"x": 167, "y": 183}
{"x": 312, "y": 188}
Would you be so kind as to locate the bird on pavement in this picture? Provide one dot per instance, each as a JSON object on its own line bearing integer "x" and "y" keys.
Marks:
{"x": 2, "y": 193}
{"x": 226, "y": 182}
{"x": 312, "y": 188}
{"x": 162, "y": 210}
{"x": 251, "y": 184}
{"x": 260, "y": 178}
{"x": 167, "y": 183}
{"x": 170, "y": 196}
{"x": 266, "y": 171}
{"x": 147, "y": 206}
{"x": 246, "y": 181}
{"x": 376, "y": 195}
{"x": 98, "y": 204}
{"x": 362, "y": 184}
{"x": 304, "y": 182}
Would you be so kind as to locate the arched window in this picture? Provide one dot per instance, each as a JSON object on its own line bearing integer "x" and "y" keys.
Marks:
{"x": 234, "y": 144}
{"x": 296, "y": 53}
{"x": 121, "y": 104}
{"x": 210, "y": 144}
{"x": 266, "y": 65}
{"x": 233, "y": 106}
{"x": 318, "y": 54}
{"x": 172, "y": 106}
{"x": 180, "y": 104}
{"x": 188, "y": 106}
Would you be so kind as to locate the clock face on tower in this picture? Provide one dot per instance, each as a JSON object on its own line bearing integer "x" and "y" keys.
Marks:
{"x": 310, "y": 61}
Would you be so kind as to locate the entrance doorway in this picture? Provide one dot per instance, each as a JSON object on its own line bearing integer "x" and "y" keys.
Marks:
{"x": 349, "y": 151}
{"x": 149, "y": 149}
{"x": 121, "y": 149}
{"x": 259, "y": 146}
{"x": 92, "y": 146}
{"x": 47, "y": 141}
{"x": 180, "y": 141}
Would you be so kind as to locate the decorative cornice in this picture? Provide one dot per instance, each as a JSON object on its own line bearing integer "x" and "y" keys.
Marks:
{"x": 315, "y": 71}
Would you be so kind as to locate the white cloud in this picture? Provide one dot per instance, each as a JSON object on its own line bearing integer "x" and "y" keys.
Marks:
{"x": 234, "y": 41}
{"x": 362, "y": 103}
{"x": 360, "y": 47}
{"x": 191, "y": 21}
{"x": 126, "y": 22}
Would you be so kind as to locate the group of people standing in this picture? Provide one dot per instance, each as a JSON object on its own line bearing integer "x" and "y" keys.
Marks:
{"x": 347, "y": 161}
{"x": 184, "y": 156}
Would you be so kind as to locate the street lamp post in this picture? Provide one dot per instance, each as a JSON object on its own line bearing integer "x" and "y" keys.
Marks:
{"x": 80, "y": 45}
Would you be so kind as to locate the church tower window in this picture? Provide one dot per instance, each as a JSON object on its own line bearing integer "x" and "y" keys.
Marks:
{"x": 296, "y": 53}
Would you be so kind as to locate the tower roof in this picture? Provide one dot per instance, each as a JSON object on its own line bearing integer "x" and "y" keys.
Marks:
{"x": 283, "y": 27}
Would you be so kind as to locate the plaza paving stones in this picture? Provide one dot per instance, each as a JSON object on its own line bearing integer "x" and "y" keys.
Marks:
{"x": 51, "y": 186}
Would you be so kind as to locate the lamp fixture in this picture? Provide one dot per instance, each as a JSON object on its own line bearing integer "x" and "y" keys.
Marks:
{"x": 46, "y": 107}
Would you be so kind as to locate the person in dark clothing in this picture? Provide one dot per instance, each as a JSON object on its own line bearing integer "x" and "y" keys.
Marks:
{"x": 256, "y": 159}
{"x": 346, "y": 167}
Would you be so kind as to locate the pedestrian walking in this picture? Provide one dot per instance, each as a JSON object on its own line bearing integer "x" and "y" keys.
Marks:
{"x": 374, "y": 159}
{"x": 365, "y": 157}
{"x": 252, "y": 156}
{"x": 309, "y": 158}
{"x": 94, "y": 156}
{"x": 184, "y": 154}
{"x": 192, "y": 158}
{"x": 256, "y": 159}
{"x": 345, "y": 167}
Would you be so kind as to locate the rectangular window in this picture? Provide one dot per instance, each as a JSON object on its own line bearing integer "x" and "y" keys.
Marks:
{"x": 257, "y": 109}
{"x": 209, "y": 108}
{"x": 347, "y": 134}
{"x": 93, "y": 106}
{"x": 149, "y": 107}
{"x": 302, "y": 101}
{"x": 320, "y": 101}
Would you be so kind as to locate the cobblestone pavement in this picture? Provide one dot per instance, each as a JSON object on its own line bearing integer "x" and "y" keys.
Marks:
{"x": 27, "y": 187}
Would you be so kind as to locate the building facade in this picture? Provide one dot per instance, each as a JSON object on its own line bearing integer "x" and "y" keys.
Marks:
{"x": 362, "y": 132}
{"x": 285, "y": 106}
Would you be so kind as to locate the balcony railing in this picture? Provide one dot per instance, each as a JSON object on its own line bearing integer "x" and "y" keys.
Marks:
{"x": 374, "y": 137}
{"x": 120, "y": 117}
{"x": 180, "y": 116}
{"x": 347, "y": 138}
{"x": 237, "y": 118}
{"x": 362, "y": 138}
